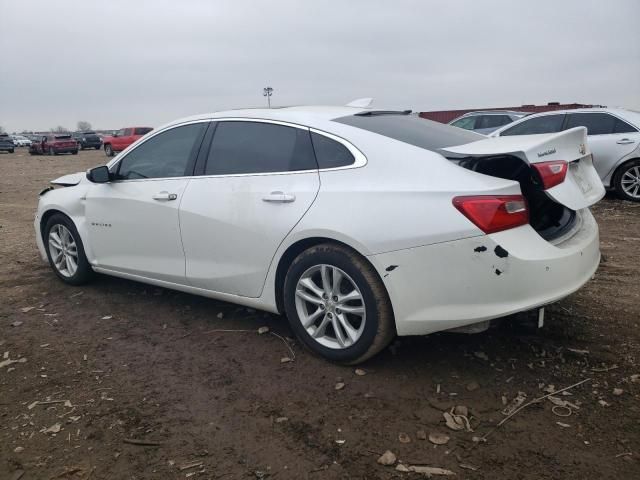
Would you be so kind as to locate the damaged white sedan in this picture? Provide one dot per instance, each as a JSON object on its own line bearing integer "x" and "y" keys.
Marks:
{"x": 357, "y": 224}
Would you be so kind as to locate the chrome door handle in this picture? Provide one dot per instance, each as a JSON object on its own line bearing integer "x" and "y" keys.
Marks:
{"x": 165, "y": 196}
{"x": 279, "y": 197}
{"x": 625, "y": 141}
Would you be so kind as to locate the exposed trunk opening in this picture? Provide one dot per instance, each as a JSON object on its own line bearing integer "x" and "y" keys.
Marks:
{"x": 550, "y": 219}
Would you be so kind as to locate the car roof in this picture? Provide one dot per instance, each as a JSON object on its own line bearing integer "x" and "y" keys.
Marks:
{"x": 301, "y": 115}
{"x": 630, "y": 116}
{"x": 488, "y": 112}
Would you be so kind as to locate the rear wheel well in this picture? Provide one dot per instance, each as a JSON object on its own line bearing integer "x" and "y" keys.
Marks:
{"x": 619, "y": 167}
{"x": 289, "y": 256}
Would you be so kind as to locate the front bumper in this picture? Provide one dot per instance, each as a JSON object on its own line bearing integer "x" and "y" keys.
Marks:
{"x": 454, "y": 284}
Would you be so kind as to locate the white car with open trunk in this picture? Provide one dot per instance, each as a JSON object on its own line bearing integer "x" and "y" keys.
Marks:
{"x": 357, "y": 224}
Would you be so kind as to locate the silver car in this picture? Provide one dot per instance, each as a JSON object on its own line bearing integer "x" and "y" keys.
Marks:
{"x": 485, "y": 122}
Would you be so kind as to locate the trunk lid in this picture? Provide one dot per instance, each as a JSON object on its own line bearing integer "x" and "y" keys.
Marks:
{"x": 581, "y": 187}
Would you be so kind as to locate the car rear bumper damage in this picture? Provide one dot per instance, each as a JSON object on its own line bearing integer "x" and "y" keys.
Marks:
{"x": 459, "y": 283}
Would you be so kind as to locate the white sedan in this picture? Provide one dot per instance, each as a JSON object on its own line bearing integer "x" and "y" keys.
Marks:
{"x": 357, "y": 224}
{"x": 21, "y": 141}
{"x": 614, "y": 140}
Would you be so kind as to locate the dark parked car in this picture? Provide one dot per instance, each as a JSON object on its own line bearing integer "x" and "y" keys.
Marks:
{"x": 88, "y": 139}
{"x": 54, "y": 144}
{"x": 6, "y": 143}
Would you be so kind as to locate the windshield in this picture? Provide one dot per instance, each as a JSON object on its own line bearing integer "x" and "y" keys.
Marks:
{"x": 413, "y": 130}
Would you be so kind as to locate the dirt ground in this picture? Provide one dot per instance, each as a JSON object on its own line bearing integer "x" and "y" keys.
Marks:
{"x": 141, "y": 363}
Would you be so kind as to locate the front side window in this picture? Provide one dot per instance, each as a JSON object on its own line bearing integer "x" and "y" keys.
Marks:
{"x": 257, "y": 147}
{"x": 532, "y": 126}
{"x": 597, "y": 123}
{"x": 329, "y": 153}
{"x": 165, "y": 155}
{"x": 128, "y": 132}
{"x": 468, "y": 123}
{"x": 120, "y": 133}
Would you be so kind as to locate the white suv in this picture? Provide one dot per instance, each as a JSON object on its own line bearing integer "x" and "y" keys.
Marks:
{"x": 614, "y": 140}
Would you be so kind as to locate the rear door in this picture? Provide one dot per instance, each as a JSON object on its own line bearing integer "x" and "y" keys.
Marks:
{"x": 133, "y": 221}
{"x": 258, "y": 180}
{"x": 610, "y": 138}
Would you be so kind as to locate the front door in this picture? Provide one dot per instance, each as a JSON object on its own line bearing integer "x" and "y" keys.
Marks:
{"x": 133, "y": 221}
{"x": 260, "y": 179}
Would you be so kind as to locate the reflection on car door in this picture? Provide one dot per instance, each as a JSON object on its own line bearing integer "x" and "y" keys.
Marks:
{"x": 259, "y": 179}
{"x": 133, "y": 222}
{"x": 610, "y": 138}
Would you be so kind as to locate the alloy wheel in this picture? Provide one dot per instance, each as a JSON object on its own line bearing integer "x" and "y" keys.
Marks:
{"x": 63, "y": 250}
{"x": 330, "y": 306}
{"x": 630, "y": 182}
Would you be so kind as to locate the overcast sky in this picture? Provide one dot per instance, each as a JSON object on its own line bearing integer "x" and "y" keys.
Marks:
{"x": 134, "y": 62}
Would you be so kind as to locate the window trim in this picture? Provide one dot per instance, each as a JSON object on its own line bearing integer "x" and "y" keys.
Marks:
{"x": 360, "y": 158}
{"x": 114, "y": 166}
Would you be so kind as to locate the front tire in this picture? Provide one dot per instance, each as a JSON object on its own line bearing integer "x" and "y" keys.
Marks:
{"x": 337, "y": 304}
{"x": 626, "y": 181}
{"x": 108, "y": 151}
{"x": 65, "y": 250}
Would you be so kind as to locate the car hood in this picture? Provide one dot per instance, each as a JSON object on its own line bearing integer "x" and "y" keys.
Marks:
{"x": 70, "y": 180}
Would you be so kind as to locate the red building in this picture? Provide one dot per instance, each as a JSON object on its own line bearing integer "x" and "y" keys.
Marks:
{"x": 445, "y": 116}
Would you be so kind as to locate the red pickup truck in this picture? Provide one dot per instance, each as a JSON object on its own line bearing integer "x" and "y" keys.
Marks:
{"x": 122, "y": 139}
{"x": 54, "y": 144}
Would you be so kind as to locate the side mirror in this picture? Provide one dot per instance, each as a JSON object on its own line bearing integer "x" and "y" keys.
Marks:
{"x": 99, "y": 174}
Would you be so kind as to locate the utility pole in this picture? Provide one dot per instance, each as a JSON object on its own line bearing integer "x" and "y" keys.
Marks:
{"x": 267, "y": 92}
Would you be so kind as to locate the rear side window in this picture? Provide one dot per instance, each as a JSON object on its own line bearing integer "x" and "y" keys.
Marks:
{"x": 142, "y": 131}
{"x": 165, "y": 155}
{"x": 329, "y": 153}
{"x": 544, "y": 124}
{"x": 492, "y": 121}
{"x": 128, "y": 132}
{"x": 623, "y": 127}
{"x": 598, "y": 123}
{"x": 468, "y": 123}
{"x": 257, "y": 147}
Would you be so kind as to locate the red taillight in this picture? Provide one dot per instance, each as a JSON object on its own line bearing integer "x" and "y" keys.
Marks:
{"x": 494, "y": 213}
{"x": 551, "y": 173}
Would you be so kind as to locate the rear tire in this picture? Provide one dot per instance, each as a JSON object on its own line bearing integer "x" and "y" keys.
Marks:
{"x": 65, "y": 250}
{"x": 626, "y": 181}
{"x": 334, "y": 330}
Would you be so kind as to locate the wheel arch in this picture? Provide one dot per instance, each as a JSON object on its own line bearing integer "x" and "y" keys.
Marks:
{"x": 297, "y": 248}
{"x": 618, "y": 167}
